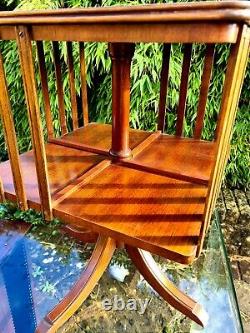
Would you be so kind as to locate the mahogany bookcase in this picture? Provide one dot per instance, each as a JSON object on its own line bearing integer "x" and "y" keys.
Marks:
{"x": 151, "y": 192}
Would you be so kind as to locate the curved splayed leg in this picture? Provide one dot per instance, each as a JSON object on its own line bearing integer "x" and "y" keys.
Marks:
{"x": 149, "y": 269}
{"x": 94, "y": 270}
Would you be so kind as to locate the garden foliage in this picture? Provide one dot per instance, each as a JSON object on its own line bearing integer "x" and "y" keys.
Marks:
{"x": 145, "y": 83}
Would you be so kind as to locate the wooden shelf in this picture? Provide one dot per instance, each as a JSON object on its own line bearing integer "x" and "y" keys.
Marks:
{"x": 187, "y": 158}
{"x": 159, "y": 214}
{"x": 98, "y": 137}
{"x": 64, "y": 165}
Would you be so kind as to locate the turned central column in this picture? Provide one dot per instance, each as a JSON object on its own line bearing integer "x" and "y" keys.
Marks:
{"x": 121, "y": 55}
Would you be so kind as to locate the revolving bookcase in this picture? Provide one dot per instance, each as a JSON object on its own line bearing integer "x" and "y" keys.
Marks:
{"x": 151, "y": 192}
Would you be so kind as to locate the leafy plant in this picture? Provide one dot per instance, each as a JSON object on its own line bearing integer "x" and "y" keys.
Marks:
{"x": 10, "y": 211}
{"x": 37, "y": 271}
{"x": 145, "y": 85}
{"x": 48, "y": 288}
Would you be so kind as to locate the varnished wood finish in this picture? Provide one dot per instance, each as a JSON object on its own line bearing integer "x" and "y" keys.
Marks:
{"x": 72, "y": 88}
{"x": 121, "y": 56}
{"x": 99, "y": 136}
{"x": 166, "y": 23}
{"x": 141, "y": 209}
{"x": 2, "y": 197}
{"x": 231, "y": 11}
{"x": 164, "y": 83}
{"x": 80, "y": 146}
{"x": 59, "y": 85}
{"x": 7, "y": 32}
{"x": 183, "y": 89}
{"x": 149, "y": 269}
{"x": 161, "y": 198}
{"x": 26, "y": 61}
{"x": 151, "y": 170}
{"x": 232, "y": 87}
{"x": 158, "y": 32}
{"x": 96, "y": 266}
{"x": 64, "y": 165}
{"x": 79, "y": 182}
{"x": 180, "y": 156}
{"x": 205, "y": 81}
{"x": 145, "y": 143}
{"x": 177, "y": 9}
{"x": 11, "y": 141}
{"x": 45, "y": 89}
{"x": 83, "y": 84}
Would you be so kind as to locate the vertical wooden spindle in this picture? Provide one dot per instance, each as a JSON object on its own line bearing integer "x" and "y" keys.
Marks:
{"x": 10, "y": 139}
{"x": 163, "y": 87}
{"x": 121, "y": 56}
{"x": 72, "y": 88}
{"x": 236, "y": 67}
{"x": 183, "y": 89}
{"x": 84, "y": 92}
{"x": 2, "y": 198}
{"x": 27, "y": 67}
{"x": 59, "y": 85}
{"x": 225, "y": 136}
{"x": 45, "y": 89}
{"x": 205, "y": 81}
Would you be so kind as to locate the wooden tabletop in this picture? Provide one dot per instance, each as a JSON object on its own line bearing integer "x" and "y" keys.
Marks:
{"x": 227, "y": 11}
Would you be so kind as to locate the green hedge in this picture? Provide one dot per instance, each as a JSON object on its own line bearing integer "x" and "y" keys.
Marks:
{"x": 144, "y": 89}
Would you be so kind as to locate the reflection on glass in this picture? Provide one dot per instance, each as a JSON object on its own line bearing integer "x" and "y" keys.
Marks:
{"x": 36, "y": 272}
{"x": 38, "y": 269}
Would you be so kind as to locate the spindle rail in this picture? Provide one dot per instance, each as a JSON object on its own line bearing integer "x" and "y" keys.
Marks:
{"x": 147, "y": 190}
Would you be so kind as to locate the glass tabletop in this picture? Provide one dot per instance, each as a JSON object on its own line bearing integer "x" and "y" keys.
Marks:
{"x": 38, "y": 269}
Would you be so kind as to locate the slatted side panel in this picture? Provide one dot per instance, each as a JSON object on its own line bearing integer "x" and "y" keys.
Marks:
{"x": 40, "y": 63}
{"x": 183, "y": 89}
{"x": 45, "y": 89}
{"x": 72, "y": 103}
{"x": 205, "y": 82}
{"x": 30, "y": 88}
{"x": 163, "y": 86}
{"x": 236, "y": 67}
{"x": 70, "y": 62}
{"x": 11, "y": 141}
{"x": 192, "y": 106}
{"x": 59, "y": 85}
{"x": 84, "y": 94}
{"x": 2, "y": 197}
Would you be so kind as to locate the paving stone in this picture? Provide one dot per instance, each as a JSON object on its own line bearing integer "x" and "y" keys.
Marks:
{"x": 245, "y": 247}
{"x": 71, "y": 327}
{"x": 235, "y": 270}
{"x": 241, "y": 199}
{"x": 248, "y": 196}
{"x": 243, "y": 295}
{"x": 244, "y": 208}
{"x": 232, "y": 211}
{"x": 247, "y": 328}
{"x": 236, "y": 231}
{"x": 245, "y": 270}
{"x": 232, "y": 238}
{"x": 220, "y": 205}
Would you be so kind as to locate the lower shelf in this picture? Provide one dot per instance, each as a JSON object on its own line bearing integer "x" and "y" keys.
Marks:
{"x": 64, "y": 165}
{"x": 155, "y": 200}
{"x": 156, "y": 213}
{"x": 99, "y": 136}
